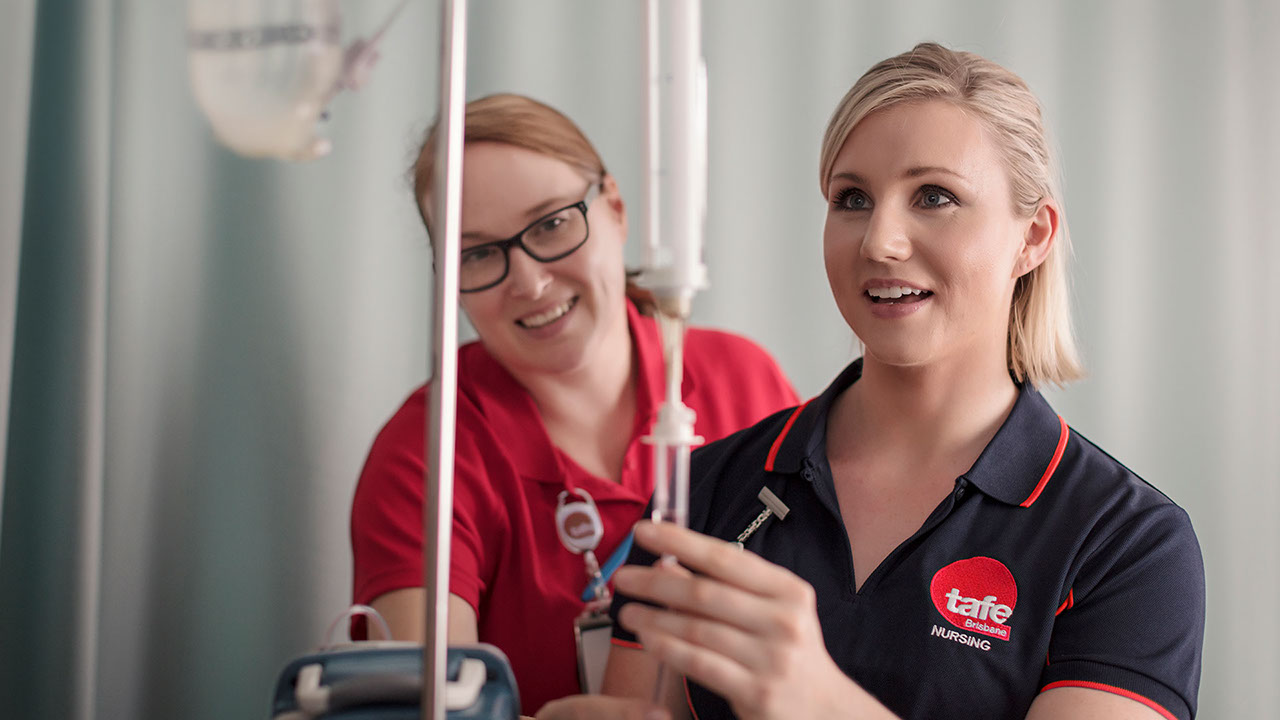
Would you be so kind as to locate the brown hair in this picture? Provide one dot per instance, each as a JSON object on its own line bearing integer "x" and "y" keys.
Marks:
{"x": 1041, "y": 345}
{"x": 522, "y": 122}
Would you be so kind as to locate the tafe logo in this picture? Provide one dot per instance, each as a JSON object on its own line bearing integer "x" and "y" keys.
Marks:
{"x": 978, "y": 594}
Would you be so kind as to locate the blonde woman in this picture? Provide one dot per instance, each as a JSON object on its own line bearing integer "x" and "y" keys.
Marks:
{"x": 951, "y": 548}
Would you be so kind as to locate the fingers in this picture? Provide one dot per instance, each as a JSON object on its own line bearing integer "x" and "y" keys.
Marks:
{"x": 675, "y": 588}
{"x": 720, "y": 560}
{"x": 741, "y": 646}
{"x": 601, "y": 707}
{"x": 713, "y": 671}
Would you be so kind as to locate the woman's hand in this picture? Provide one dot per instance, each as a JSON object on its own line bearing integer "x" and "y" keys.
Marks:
{"x": 745, "y": 628}
{"x": 600, "y": 707}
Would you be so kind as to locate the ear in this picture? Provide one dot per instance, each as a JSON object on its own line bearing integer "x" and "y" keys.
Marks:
{"x": 612, "y": 198}
{"x": 1038, "y": 239}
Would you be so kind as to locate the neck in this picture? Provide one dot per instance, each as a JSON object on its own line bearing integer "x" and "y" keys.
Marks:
{"x": 945, "y": 412}
{"x": 586, "y": 395}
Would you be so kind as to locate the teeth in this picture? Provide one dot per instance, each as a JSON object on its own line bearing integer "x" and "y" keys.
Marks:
{"x": 892, "y": 293}
{"x": 548, "y": 317}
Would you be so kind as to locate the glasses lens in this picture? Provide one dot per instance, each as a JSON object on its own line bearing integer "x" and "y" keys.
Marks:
{"x": 557, "y": 234}
{"x": 481, "y": 266}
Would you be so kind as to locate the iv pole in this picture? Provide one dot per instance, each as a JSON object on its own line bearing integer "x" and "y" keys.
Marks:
{"x": 676, "y": 145}
{"x": 438, "y": 503}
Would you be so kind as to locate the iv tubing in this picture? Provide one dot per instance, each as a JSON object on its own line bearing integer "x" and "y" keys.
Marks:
{"x": 676, "y": 151}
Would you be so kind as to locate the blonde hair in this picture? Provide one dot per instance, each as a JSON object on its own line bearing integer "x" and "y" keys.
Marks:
{"x": 522, "y": 122}
{"x": 1041, "y": 345}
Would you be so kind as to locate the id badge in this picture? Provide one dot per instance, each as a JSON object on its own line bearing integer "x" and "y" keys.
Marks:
{"x": 591, "y": 634}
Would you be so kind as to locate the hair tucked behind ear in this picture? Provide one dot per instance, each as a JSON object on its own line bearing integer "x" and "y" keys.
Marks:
{"x": 1041, "y": 344}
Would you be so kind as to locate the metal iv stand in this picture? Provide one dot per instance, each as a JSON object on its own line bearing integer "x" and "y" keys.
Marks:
{"x": 676, "y": 145}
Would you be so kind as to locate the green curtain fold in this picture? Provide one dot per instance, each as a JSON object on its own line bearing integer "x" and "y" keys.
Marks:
{"x": 51, "y": 542}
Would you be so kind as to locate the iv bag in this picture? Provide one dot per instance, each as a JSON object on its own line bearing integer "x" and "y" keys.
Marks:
{"x": 264, "y": 71}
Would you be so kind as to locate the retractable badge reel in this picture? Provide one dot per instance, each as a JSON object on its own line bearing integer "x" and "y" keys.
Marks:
{"x": 580, "y": 528}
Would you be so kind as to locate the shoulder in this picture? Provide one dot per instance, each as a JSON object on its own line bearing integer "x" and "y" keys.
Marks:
{"x": 736, "y": 375}
{"x": 1120, "y": 517}
{"x": 404, "y": 433}
{"x": 1090, "y": 479}
{"x": 399, "y": 449}
{"x": 408, "y": 424}
{"x": 723, "y": 345}
{"x": 726, "y": 475}
{"x": 748, "y": 447}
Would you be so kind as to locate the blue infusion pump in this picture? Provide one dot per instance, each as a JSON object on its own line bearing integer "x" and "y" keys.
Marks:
{"x": 383, "y": 681}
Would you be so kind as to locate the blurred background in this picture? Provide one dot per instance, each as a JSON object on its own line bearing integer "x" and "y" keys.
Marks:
{"x": 197, "y": 349}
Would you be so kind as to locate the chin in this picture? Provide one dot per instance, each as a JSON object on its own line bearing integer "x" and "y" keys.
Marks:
{"x": 897, "y": 351}
{"x": 896, "y": 358}
{"x": 556, "y": 361}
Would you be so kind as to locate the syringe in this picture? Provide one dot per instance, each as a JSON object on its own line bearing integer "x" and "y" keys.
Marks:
{"x": 673, "y": 433}
{"x": 672, "y": 438}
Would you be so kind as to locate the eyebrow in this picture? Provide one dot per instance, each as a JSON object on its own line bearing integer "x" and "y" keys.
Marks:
{"x": 531, "y": 214}
{"x": 911, "y": 173}
{"x": 927, "y": 169}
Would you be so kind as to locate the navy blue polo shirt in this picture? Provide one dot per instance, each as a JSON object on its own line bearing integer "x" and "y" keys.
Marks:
{"x": 1049, "y": 565}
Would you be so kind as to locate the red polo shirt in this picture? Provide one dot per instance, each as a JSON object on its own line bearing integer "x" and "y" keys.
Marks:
{"x": 507, "y": 560}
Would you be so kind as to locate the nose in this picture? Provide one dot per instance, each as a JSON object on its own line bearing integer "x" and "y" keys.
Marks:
{"x": 526, "y": 277}
{"x": 887, "y": 238}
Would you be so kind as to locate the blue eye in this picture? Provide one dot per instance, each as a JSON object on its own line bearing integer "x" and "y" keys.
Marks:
{"x": 935, "y": 197}
{"x": 478, "y": 255}
{"x": 851, "y": 199}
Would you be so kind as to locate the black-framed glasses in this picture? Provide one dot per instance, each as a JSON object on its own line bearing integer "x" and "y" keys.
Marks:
{"x": 552, "y": 237}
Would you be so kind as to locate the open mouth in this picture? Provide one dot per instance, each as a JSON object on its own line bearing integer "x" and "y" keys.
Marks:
{"x": 897, "y": 295}
{"x": 533, "y": 322}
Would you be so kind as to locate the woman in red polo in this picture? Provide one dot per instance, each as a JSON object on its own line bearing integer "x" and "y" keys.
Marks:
{"x": 553, "y": 399}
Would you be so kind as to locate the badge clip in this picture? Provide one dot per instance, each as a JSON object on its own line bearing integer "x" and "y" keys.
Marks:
{"x": 773, "y": 505}
{"x": 580, "y": 529}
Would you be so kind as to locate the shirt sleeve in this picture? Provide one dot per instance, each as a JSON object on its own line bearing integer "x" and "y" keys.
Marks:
{"x": 766, "y": 379}
{"x": 1133, "y": 621}
{"x": 751, "y": 375}
{"x": 386, "y": 514}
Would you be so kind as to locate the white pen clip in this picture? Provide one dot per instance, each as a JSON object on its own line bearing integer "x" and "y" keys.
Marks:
{"x": 773, "y": 505}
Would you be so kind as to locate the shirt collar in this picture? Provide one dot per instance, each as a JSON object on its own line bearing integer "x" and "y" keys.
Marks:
{"x": 804, "y": 431}
{"x": 1021, "y": 459}
{"x": 511, "y": 412}
{"x": 1013, "y": 468}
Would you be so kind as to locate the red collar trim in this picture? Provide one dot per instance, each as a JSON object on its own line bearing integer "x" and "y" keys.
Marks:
{"x": 1063, "y": 434}
{"x": 777, "y": 443}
